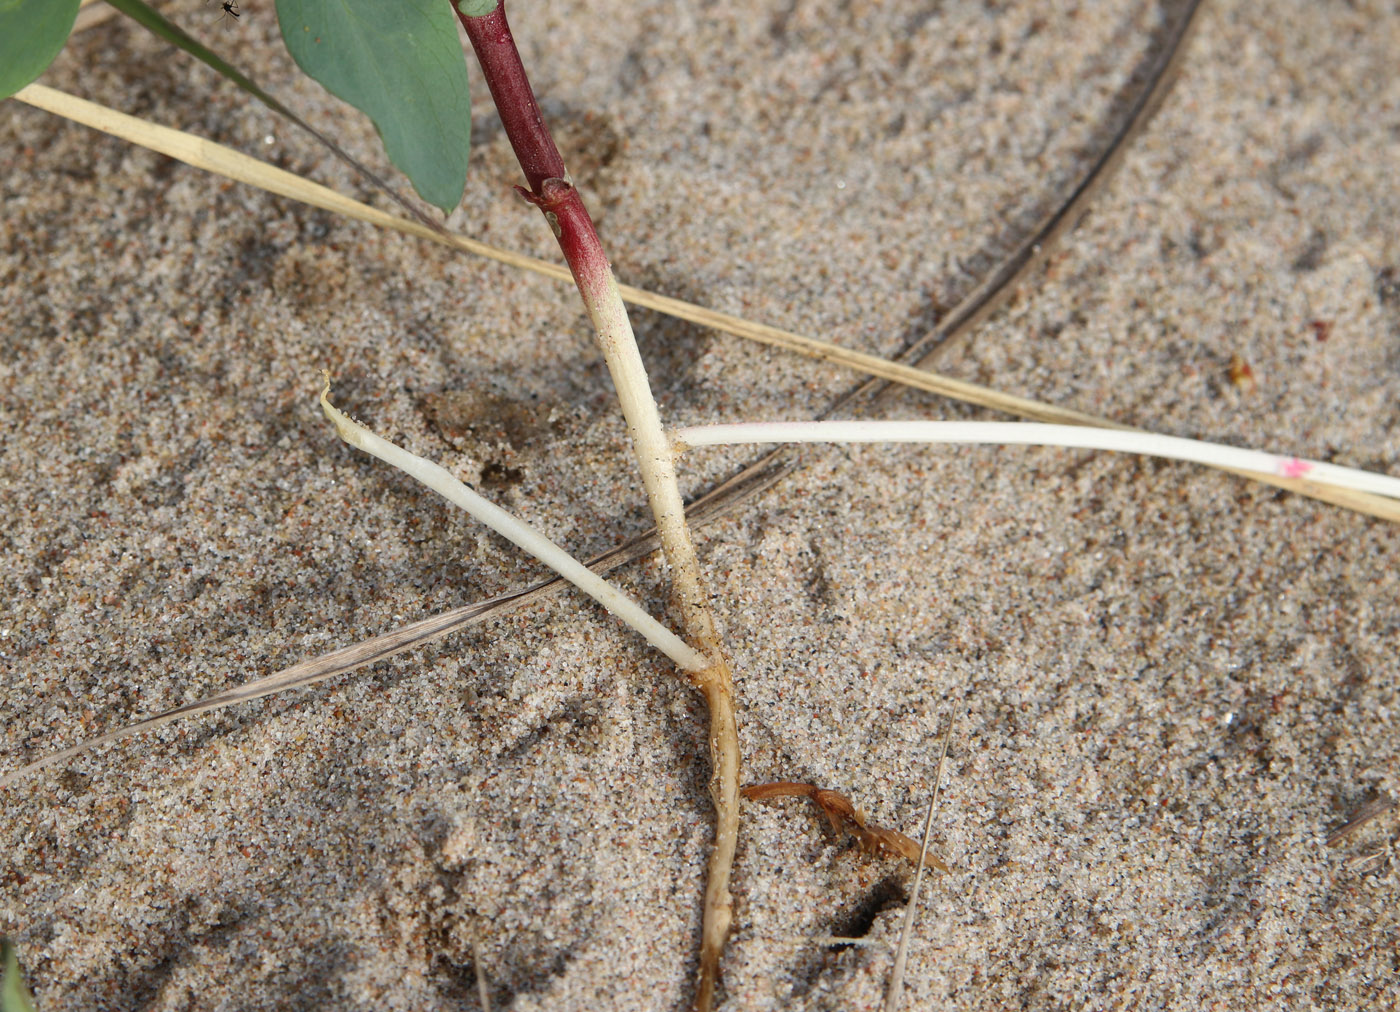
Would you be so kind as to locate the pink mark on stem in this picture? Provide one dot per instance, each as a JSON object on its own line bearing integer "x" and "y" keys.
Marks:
{"x": 1292, "y": 467}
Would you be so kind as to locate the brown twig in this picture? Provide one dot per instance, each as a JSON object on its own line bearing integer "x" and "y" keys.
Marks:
{"x": 844, "y": 817}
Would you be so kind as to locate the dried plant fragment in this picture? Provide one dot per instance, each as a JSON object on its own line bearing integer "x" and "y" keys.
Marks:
{"x": 516, "y": 531}
{"x": 844, "y": 817}
{"x": 1374, "y": 807}
{"x": 1241, "y": 375}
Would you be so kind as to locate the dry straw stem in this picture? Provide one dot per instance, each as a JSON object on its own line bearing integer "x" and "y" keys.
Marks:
{"x": 221, "y": 160}
{"x": 91, "y": 13}
{"x": 1373, "y": 808}
{"x": 217, "y": 158}
{"x": 483, "y": 986}
{"x": 894, "y": 993}
{"x": 1225, "y": 458}
{"x": 709, "y": 671}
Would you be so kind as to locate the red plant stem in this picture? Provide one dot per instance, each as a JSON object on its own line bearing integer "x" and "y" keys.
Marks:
{"x": 515, "y": 100}
{"x": 554, "y": 194}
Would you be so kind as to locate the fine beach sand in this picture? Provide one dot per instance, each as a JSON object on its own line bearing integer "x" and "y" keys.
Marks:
{"x": 1169, "y": 686}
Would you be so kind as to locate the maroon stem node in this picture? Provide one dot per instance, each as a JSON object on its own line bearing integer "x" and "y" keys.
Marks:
{"x": 550, "y": 189}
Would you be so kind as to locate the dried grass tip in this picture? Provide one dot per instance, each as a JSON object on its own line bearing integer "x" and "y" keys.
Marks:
{"x": 844, "y": 817}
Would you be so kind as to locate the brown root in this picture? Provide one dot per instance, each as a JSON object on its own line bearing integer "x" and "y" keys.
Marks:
{"x": 845, "y": 818}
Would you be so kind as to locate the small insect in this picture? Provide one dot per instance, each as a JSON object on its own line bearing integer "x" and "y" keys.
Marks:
{"x": 230, "y": 8}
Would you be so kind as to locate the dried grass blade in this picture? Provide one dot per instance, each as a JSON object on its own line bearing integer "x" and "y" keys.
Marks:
{"x": 1319, "y": 474}
{"x": 310, "y": 671}
{"x": 213, "y": 157}
{"x": 516, "y": 531}
{"x": 205, "y": 154}
{"x": 1373, "y": 809}
{"x": 1032, "y": 251}
{"x": 895, "y": 992}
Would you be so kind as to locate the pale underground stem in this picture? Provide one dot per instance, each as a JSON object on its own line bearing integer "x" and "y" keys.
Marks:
{"x": 650, "y": 444}
{"x": 551, "y": 191}
{"x": 1151, "y": 444}
{"x": 602, "y": 299}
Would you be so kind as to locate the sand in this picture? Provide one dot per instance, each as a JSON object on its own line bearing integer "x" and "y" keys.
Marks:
{"x": 1169, "y": 686}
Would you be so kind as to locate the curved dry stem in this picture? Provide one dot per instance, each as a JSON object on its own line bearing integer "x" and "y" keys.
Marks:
{"x": 213, "y": 157}
{"x": 516, "y": 531}
{"x": 1256, "y": 464}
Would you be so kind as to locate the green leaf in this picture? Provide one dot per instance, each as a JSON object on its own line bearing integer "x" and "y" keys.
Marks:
{"x": 14, "y": 996}
{"x": 31, "y": 34}
{"x": 151, "y": 19}
{"x": 400, "y": 64}
{"x": 476, "y": 8}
